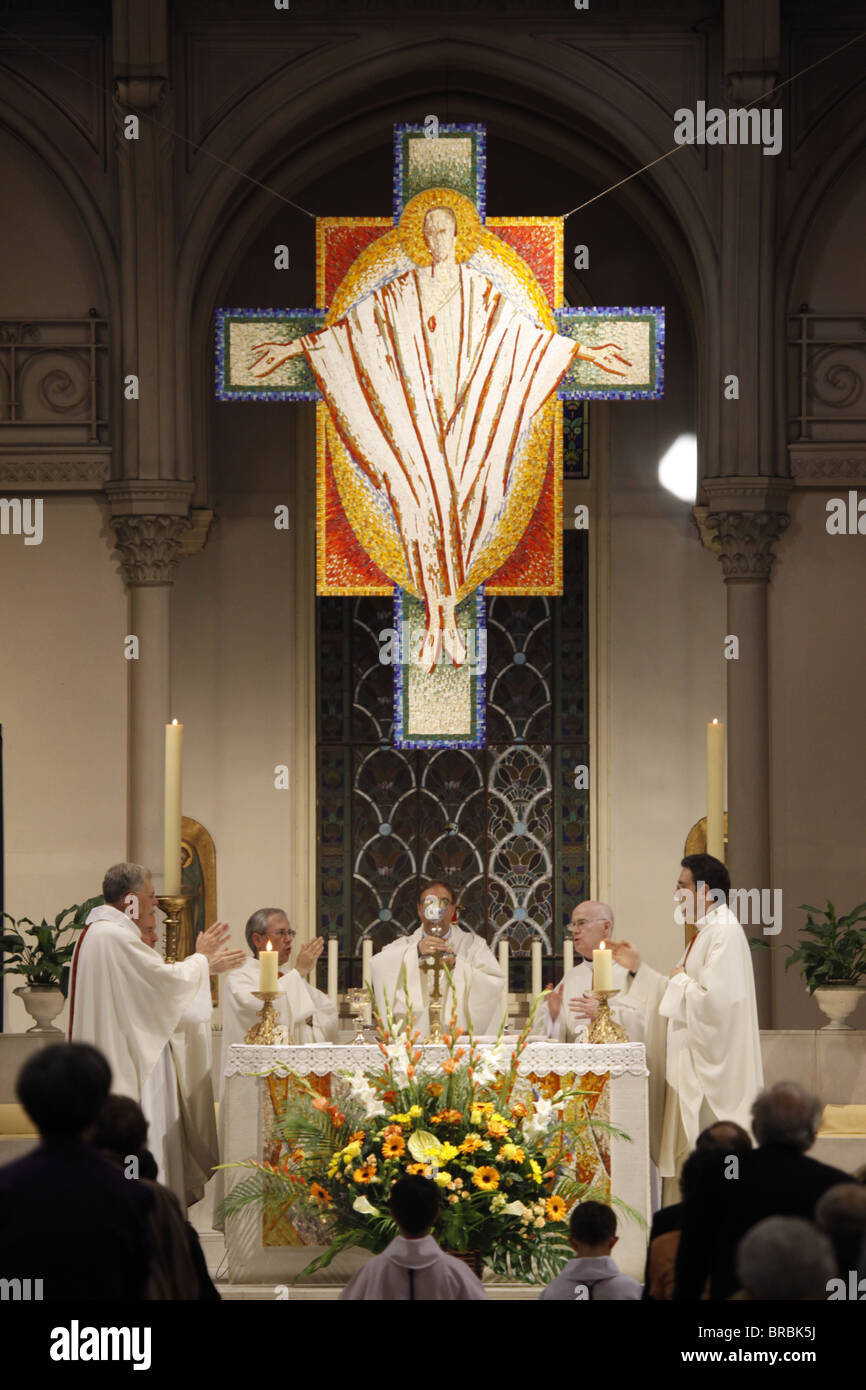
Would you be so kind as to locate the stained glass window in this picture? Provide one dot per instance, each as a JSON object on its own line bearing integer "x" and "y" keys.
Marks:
{"x": 505, "y": 826}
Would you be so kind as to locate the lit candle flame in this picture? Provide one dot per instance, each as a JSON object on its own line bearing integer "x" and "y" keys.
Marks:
{"x": 602, "y": 946}
{"x": 270, "y": 947}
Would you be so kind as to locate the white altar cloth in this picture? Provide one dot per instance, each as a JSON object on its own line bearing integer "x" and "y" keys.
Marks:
{"x": 244, "y": 1131}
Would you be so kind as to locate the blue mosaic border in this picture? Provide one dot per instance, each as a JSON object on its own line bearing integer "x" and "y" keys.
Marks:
{"x": 625, "y": 393}
{"x": 479, "y": 687}
{"x": 480, "y": 133}
{"x": 226, "y": 392}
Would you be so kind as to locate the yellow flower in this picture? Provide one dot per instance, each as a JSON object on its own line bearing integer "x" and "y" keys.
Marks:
{"x": 366, "y": 1173}
{"x": 512, "y": 1153}
{"x": 415, "y": 1111}
{"x": 487, "y": 1179}
{"x": 442, "y": 1179}
{"x": 333, "y": 1165}
{"x": 498, "y": 1126}
{"x": 351, "y": 1151}
{"x": 401, "y": 1119}
{"x": 475, "y": 1116}
{"x": 447, "y": 1152}
{"x": 422, "y": 1170}
{"x": 394, "y": 1146}
{"x": 470, "y": 1144}
{"x": 555, "y": 1209}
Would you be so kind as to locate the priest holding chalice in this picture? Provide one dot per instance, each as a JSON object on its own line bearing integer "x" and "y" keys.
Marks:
{"x": 405, "y": 973}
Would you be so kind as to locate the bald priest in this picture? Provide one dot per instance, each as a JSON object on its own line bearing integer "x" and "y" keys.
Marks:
{"x": 398, "y": 979}
{"x": 152, "y": 1022}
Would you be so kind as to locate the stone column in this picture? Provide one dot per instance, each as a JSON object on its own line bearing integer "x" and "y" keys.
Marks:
{"x": 302, "y": 771}
{"x": 149, "y": 548}
{"x": 746, "y": 517}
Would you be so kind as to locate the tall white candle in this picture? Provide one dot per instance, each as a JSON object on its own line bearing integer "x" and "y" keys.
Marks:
{"x": 567, "y": 956}
{"x": 536, "y": 969}
{"x": 503, "y": 961}
{"x": 716, "y": 789}
{"x": 366, "y": 960}
{"x": 602, "y": 968}
{"x": 333, "y": 959}
{"x": 268, "y": 969}
{"x": 173, "y": 785}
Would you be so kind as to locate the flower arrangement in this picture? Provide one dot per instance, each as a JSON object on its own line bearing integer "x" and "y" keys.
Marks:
{"x": 500, "y": 1162}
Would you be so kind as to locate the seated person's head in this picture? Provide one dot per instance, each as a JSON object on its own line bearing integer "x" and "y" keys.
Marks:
{"x": 414, "y": 1206}
{"x": 841, "y": 1215}
{"x": 121, "y": 1127}
{"x": 593, "y": 1229}
{"x": 786, "y": 1114}
{"x": 63, "y": 1088}
{"x": 785, "y": 1257}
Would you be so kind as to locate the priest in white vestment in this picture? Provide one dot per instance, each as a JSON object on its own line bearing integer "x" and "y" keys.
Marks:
{"x": 572, "y": 1006}
{"x": 152, "y": 1022}
{"x": 701, "y": 1021}
{"x": 479, "y": 984}
{"x": 307, "y": 1014}
{"x": 432, "y": 381}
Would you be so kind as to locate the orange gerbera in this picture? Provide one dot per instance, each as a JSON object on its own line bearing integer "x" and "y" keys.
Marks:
{"x": 418, "y": 1170}
{"x": 394, "y": 1146}
{"x": 556, "y": 1209}
{"x": 487, "y": 1179}
{"x": 434, "y": 1089}
{"x": 357, "y": 1137}
{"x": 497, "y": 1127}
{"x": 319, "y": 1194}
{"x": 366, "y": 1173}
{"x": 471, "y": 1143}
{"x": 518, "y": 1110}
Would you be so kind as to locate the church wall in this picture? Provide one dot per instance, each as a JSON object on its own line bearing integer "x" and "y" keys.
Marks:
{"x": 818, "y": 753}
{"x": 63, "y": 707}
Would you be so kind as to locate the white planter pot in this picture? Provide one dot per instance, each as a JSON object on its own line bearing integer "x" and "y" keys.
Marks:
{"x": 42, "y": 1002}
{"x": 836, "y": 1002}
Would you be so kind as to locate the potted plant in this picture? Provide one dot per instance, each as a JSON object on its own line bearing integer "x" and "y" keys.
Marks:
{"x": 43, "y": 960}
{"x": 832, "y": 960}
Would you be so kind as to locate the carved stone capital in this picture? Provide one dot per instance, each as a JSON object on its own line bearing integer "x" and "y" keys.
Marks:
{"x": 140, "y": 92}
{"x": 149, "y": 547}
{"x": 744, "y": 540}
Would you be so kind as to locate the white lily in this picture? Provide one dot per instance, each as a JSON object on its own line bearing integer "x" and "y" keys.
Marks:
{"x": 364, "y": 1206}
{"x": 515, "y": 1209}
{"x": 545, "y": 1115}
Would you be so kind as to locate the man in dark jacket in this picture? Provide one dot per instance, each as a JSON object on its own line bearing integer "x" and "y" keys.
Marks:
{"x": 68, "y": 1218}
{"x": 774, "y": 1179}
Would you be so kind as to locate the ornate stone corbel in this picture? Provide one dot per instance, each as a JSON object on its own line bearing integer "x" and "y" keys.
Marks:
{"x": 150, "y": 547}
{"x": 744, "y": 540}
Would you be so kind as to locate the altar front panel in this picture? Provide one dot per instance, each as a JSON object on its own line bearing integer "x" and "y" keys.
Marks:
{"x": 614, "y": 1075}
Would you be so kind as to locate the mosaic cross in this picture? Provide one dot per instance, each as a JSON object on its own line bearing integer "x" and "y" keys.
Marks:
{"x": 440, "y": 356}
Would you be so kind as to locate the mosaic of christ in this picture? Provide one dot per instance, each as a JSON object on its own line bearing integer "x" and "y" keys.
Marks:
{"x": 439, "y": 377}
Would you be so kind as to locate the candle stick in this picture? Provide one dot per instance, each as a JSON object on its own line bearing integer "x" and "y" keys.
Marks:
{"x": 503, "y": 961}
{"x": 602, "y": 968}
{"x": 567, "y": 956}
{"x": 173, "y": 781}
{"x": 536, "y": 969}
{"x": 366, "y": 960}
{"x": 333, "y": 959}
{"x": 268, "y": 969}
{"x": 716, "y": 790}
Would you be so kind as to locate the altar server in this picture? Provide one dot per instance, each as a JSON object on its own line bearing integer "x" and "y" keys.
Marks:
{"x": 701, "y": 1022}
{"x": 304, "y": 1011}
{"x": 479, "y": 983}
{"x": 413, "y": 1268}
{"x": 152, "y": 1022}
{"x": 572, "y": 1006}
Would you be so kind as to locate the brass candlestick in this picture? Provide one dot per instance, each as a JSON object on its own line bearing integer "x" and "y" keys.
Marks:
{"x": 172, "y": 904}
{"x": 267, "y": 1031}
{"x": 437, "y": 962}
{"x": 604, "y": 1028}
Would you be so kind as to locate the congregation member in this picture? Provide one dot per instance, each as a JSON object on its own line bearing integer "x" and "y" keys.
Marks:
{"x": 479, "y": 984}
{"x": 784, "y": 1257}
{"x": 841, "y": 1215}
{"x": 777, "y": 1178}
{"x": 178, "y": 1269}
{"x": 151, "y": 1020}
{"x": 700, "y": 1022}
{"x": 67, "y": 1217}
{"x": 593, "y": 1276}
{"x": 306, "y": 1013}
{"x": 664, "y": 1238}
{"x": 413, "y": 1267}
{"x": 571, "y": 1006}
